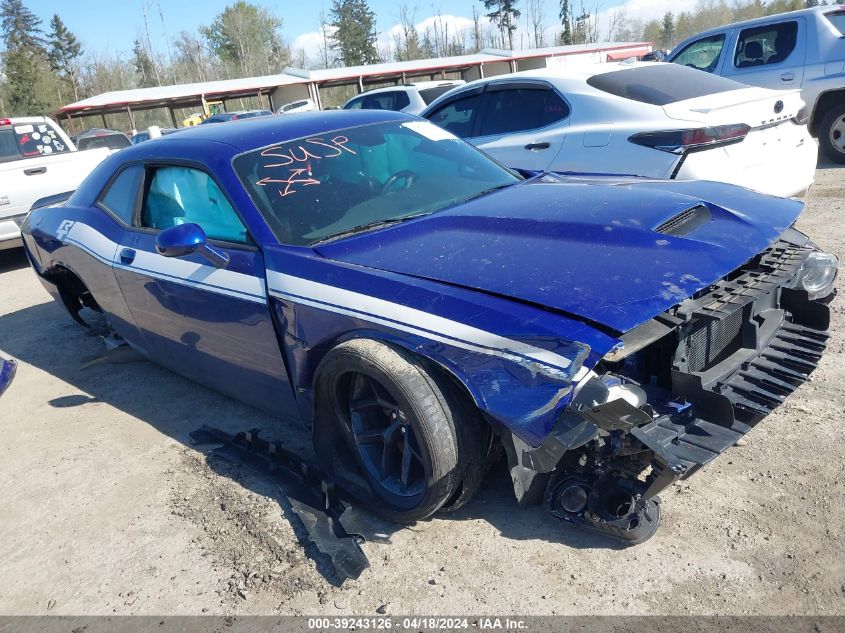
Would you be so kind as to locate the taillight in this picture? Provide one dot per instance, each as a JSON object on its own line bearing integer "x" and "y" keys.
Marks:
{"x": 5, "y": 121}
{"x": 681, "y": 141}
{"x": 802, "y": 117}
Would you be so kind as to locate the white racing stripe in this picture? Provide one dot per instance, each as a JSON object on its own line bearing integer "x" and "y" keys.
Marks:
{"x": 173, "y": 269}
{"x": 314, "y": 294}
{"x": 407, "y": 319}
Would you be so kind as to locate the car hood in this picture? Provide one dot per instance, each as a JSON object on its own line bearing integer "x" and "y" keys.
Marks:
{"x": 584, "y": 247}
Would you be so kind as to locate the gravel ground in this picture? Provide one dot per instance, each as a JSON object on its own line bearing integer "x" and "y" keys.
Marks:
{"x": 107, "y": 509}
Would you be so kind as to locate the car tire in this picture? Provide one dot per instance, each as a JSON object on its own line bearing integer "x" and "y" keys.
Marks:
{"x": 405, "y": 427}
{"x": 832, "y": 134}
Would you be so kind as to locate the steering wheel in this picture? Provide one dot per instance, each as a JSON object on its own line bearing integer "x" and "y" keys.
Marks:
{"x": 405, "y": 175}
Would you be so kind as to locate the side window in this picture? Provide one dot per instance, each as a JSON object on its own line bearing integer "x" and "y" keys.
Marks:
{"x": 400, "y": 100}
{"x": 702, "y": 54}
{"x": 122, "y": 194}
{"x": 357, "y": 104}
{"x": 519, "y": 109}
{"x": 181, "y": 195}
{"x": 386, "y": 101}
{"x": 763, "y": 45}
{"x": 457, "y": 116}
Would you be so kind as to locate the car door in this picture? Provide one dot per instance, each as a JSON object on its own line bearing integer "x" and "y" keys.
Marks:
{"x": 209, "y": 323}
{"x": 459, "y": 113}
{"x": 522, "y": 124}
{"x": 770, "y": 56}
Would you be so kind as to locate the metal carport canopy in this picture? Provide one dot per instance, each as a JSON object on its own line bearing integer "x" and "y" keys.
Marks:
{"x": 186, "y": 95}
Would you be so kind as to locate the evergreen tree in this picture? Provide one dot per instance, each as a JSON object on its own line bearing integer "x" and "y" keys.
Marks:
{"x": 24, "y": 61}
{"x": 565, "y": 20}
{"x": 63, "y": 53}
{"x": 144, "y": 66}
{"x": 505, "y": 15}
{"x": 247, "y": 36}
{"x": 354, "y": 39}
{"x": 667, "y": 30}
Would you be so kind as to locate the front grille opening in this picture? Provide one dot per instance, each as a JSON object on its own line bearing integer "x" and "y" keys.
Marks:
{"x": 711, "y": 342}
{"x": 685, "y": 222}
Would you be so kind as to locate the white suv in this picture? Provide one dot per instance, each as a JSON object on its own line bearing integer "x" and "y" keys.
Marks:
{"x": 410, "y": 98}
{"x": 800, "y": 49}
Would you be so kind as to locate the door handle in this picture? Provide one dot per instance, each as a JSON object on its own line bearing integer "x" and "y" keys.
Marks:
{"x": 127, "y": 256}
{"x": 35, "y": 171}
{"x": 787, "y": 77}
{"x": 538, "y": 145}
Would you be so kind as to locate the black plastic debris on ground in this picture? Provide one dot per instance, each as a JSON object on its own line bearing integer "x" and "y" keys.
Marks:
{"x": 334, "y": 525}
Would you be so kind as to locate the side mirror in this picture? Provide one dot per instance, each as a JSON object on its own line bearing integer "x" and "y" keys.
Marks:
{"x": 184, "y": 239}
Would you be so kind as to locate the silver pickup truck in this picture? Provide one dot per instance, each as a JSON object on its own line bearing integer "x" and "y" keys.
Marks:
{"x": 800, "y": 49}
{"x": 37, "y": 160}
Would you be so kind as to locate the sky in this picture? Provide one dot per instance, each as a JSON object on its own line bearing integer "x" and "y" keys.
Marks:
{"x": 112, "y": 25}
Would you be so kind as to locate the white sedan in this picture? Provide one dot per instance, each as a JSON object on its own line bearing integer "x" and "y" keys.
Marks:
{"x": 643, "y": 119}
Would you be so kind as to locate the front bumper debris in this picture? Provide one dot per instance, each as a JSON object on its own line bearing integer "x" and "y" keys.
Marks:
{"x": 334, "y": 526}
{"x": 712, "y": 368}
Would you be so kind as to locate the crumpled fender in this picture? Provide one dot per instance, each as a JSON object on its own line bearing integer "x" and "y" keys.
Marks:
{"x": 519, "y": 363}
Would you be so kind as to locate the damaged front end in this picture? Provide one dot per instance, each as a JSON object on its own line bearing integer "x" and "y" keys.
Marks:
{"x": 679, "y": 390}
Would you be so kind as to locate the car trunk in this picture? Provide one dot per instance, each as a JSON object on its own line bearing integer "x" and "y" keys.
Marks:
{"x": 770, "y": 151}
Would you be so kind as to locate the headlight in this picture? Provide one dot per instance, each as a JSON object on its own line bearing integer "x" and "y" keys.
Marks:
{"x": 818, "y": 274}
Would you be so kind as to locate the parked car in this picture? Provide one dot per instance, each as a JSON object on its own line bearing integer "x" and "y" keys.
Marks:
{"x": 97, "y": 138}
{"x": 645, "y": 119}
{"x": 302, "y": 105}
{"x": 800, "y": 49}
{"x": 144, "y": 135}
{"x": 410, "y": 98}
{"x": 37, "y": 159}
{"x": 236, "y": 116}
{"x": 409, "y": 298}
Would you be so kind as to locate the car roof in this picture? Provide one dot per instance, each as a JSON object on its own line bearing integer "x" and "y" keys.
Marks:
{"x": 577, "y": 76}
{"x": 422, "y": 85}
{"x": 766, "y": 19}
{"x": 263, "y": 131}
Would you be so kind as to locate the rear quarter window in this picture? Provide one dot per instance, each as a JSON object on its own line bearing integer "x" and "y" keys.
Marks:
{"x": 661, "y": 84}
{"x": 122, "y": 194}
{"x": 837, "y": 19}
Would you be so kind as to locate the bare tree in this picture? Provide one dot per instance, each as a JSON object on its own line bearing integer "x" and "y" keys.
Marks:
{"x": 536, "y": 17}
{"x": 166, "y": 41}
{"x": 145, "y": 7}
{"x": 477, "y": 34}
{"x": 617, "y": 28}
{"x": 325, "y": 47}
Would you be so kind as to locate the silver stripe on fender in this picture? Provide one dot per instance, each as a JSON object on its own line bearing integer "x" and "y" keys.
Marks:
{"x": 178, "y": 271}
{"x": 407, "y": 319}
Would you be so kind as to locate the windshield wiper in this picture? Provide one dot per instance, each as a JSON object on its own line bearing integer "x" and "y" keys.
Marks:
{"x": 485, "y": 192}
{"x": 370, "y": 226}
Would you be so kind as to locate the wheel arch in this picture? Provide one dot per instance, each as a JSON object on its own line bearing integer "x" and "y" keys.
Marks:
{"x": 824, "y": 103}
{"x": 72, "y": 291}
{"x": 447, "y": 369}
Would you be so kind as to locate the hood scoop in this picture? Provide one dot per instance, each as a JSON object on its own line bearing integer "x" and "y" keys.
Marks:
{"x": 686, "y": 221}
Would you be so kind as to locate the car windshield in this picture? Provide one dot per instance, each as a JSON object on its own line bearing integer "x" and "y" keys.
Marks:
{"x": 329, "y": 185}
{"x": 661, "y": 84}
{"x": 110, "y": 141}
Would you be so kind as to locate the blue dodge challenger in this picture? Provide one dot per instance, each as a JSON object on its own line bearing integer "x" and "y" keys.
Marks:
{"x": 418, "y": 305}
